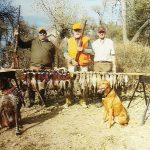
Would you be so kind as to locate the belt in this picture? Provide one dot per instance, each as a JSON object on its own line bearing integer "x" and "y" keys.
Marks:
{"x": 102, "y": 62}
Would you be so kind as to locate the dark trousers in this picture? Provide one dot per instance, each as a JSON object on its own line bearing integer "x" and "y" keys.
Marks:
{"x": 31, "y": 93}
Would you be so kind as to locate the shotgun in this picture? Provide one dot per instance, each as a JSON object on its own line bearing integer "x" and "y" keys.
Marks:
{"x": 16, "y": 64}
{"x": 80, "y": 43}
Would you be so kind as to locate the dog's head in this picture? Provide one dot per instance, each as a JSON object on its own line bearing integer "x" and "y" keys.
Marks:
{"x": 104, "y": 87}
{"x": 7, "y": 107}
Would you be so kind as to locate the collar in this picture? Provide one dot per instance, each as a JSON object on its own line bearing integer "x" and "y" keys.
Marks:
{"x": 9, "y": 91}
{"x": 106, "y": 94}
{"x": 102, "y": 41}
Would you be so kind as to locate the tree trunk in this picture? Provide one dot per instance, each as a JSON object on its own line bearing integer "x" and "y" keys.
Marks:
{"x": 136, "y": 36}
{"x": 124, "y": 27}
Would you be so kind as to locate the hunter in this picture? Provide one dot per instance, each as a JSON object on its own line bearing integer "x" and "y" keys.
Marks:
{"x": 79, "y": 56}
{"x": 78, "y": 51}
{"x": 42, "y": 56}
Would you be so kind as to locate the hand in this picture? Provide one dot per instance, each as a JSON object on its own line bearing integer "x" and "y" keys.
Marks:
{"x": 55, "y": 68}
{"x": 16, "y": 32}
{"x": 74, "y": 63}
{"x": 80, "y": 49}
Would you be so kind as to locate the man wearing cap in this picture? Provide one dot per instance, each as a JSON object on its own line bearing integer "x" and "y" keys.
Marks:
{"x": 104, "y": 60}
{"x": 42, "y": 50}
{"x": 76, "y": 45}
{"x": 42, "y": 55}
{"x": 81, "y": 46}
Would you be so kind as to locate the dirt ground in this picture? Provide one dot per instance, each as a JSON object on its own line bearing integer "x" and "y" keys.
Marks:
{"x": 77, "y": 128}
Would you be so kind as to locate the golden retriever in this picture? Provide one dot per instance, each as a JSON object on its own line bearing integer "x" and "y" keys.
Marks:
{"x": 114, "y": 111}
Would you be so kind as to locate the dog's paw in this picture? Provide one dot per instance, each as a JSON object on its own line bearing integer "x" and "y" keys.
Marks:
{"x": 108, "y": 126}
{"x": 18, "y": 132}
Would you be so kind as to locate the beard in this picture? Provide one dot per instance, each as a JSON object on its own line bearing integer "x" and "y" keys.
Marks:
{"x": 77, "y": 36}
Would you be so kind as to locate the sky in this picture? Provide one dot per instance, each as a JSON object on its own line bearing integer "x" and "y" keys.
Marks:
{"x": 34, "y": 17}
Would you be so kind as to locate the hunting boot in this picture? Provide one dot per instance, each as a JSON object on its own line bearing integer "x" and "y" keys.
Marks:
{"x": 68, "y": 102}
{"x": 83, "y": 103}
{"x": 43, "y": 100}
{"x": 42, "y": 97}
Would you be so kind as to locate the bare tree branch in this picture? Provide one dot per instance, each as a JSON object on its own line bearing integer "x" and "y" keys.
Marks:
{"x": 144, "y": 26}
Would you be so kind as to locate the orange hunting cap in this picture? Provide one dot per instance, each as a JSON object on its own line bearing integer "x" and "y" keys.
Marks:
{"x": 77, "y": 26}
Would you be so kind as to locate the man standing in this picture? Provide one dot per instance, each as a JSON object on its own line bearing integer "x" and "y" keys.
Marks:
{"x": 104, "y": 60}
{"x": 42, "y": 56}
{"x": 78, "y": 52}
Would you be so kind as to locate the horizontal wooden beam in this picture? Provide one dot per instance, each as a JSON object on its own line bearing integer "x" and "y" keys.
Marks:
{"x": 92, "y": 72}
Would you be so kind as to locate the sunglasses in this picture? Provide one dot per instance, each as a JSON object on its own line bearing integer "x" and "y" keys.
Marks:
{"x": 42, "y": 33}
{"x": 77, "y": 30}
{"x": 101, "y": 32}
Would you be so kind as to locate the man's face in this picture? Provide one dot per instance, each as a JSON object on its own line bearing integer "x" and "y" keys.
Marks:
{"x": 77, "y": 33}
{"x": 42, "y": 35}
{"x": 101, "y": 34}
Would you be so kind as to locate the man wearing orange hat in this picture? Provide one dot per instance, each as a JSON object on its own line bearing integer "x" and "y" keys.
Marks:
{"x": 78, "y": 44}
{"x": 75, "y": 45}
{"x": 42, "y": 56}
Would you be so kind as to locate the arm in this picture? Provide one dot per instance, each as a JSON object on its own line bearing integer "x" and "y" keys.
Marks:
{"x": 68, "y": 58}
{"x": 23, "y": 44}
{"x": 89, "y": 50}
{"x": 113, "y": 58}
{"x": 66, "y": 54}
{"x": 113, "y": 63}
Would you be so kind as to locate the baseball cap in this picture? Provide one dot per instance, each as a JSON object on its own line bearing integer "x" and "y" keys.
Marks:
{"x": 41, "y": 29}
{"x": 77, "y": 26}
{"x": 101, "y": 29}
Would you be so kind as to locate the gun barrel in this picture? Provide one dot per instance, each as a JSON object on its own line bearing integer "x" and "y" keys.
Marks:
{"x": 80, "y": 43}
{"x": 15, "y": 63}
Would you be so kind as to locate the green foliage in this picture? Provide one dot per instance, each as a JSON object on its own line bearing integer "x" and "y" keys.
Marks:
{"x": 8, "y": 17}
{"x": 132, "y": 57}
{"x": 27, "y": 32}
{"x": 114, "y": 32}
{"x": 138, "y": 12}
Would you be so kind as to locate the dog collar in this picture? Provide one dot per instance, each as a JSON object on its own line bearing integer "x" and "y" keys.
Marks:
{"x": 106, "y": 94}
{"x": 9, "y": 91}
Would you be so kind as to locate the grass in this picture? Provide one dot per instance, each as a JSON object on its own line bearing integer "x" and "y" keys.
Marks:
{"x": 132, "y": 57}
